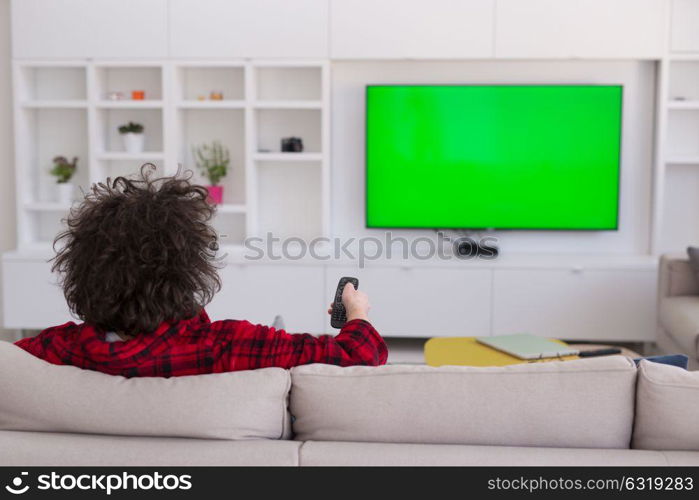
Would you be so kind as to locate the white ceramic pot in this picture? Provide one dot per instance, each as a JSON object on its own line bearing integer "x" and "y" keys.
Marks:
{"x": 65, "y": 193}
{"x": 133, "y": 143}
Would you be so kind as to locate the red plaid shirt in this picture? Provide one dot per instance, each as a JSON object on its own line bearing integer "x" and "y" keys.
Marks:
{"x": 197, "y": 345}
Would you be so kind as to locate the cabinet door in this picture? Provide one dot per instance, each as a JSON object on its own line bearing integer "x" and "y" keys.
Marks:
{"x": 370, "y": 29}
{"x": 612, "y": 305}
{"x": 32, "y": 299}
{"x": 89, "y": 28}
{"x": 580, "y": 28}
{"x": 427, "y": 302}
{"x": 258, "y": 292}
{"x": 249, "y": 28}
{"x": 685, "y": 26}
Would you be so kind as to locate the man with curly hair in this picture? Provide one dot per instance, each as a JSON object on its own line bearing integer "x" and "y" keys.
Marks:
{"x": 138, "y": 264}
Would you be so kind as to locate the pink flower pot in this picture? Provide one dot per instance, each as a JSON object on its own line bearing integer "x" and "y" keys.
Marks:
{"x": 215, "y": 194}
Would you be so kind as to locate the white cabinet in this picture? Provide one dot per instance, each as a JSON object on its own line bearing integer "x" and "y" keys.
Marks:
{"x": 422, "y": 302}
{"x": 351, "y": 29}
{"x": 685, "y": 26}
{"x": 576, "y": 304}
{"x": 33, "y": 300}
{"x": 89, "y": 28}
{"x": 31, "y": 297}
{"x": 258, "y": 292}
{"x": 249, "y": 28}
{"x": 388, "y": 29}
{"x": 580, "y": 28}
{"x": 593, "y": 303}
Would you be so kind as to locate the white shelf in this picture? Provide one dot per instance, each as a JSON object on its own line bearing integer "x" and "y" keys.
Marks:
{"x": 288, "y": 104}
{"x": 130, "y": 104}
{"x": 119, "y": 155}
{"x": 287, "y": 63}
{"x": 684, "y": 105}
{"x": 264, "y": 101}
{"x": 231, "y": 208}
{"x": 683, "y": 160}
{"x": 235, "y": 64}
{"x": 684, "y": 57}
{"x": 128, "y": 64}
{"x": 48, "y": 63}
{"x": 46, "y": 206}
{"x": 51, "y": 104}
{"x": 224, "y": 104}
{"x": 288, "y": 157}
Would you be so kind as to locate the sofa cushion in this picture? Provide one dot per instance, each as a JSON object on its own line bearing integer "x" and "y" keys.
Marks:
{"x": 62, "y": 449}
{"x": 679, "y": 317}
{"x": 584, "y": 403}
{"x": 39, "y": 396}
{"x": 401, "y": 454}
{"x": 667, "y": 408}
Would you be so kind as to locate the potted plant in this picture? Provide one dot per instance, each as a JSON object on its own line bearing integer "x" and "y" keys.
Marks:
{"x": 63, "y": 170}
{"x": 212, "y": 160}
{"x": 132, "y": 135}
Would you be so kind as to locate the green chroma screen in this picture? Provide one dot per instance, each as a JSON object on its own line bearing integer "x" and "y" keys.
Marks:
{"x": 493, "y": 156}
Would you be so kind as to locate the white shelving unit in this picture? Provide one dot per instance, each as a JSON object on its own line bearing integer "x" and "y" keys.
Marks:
{"x": 62, "y": 108}
{"x": 676, "y": 207}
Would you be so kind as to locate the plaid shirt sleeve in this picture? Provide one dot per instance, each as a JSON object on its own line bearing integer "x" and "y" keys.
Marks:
{"x": 257, "y": 346}
{"x": 197, "y": 345}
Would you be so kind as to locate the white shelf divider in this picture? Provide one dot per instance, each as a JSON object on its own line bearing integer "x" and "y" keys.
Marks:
{"x": 130, "y": 104}
{"x": 684, "y": 105}
{"x": 224, "y": 104}
{"x": 169, "y": 163}
{"x": 231, "y": 208}
{"x": 325, "y": 149}
{"x": 55, "y": 104}
{"x": 46, "y": 206}
{"x": 288, "y": 104}
{"x": 288, "y": 63}
{"x": 93, "y": 133}
{"x": 119, "y": 155}
{"x": 251, "y": 184}
{"x": 291, "y": 157}
{"x": 682, "y": 160}
{"x": 684, "y": 57}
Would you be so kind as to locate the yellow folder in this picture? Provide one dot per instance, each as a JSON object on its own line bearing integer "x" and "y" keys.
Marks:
{"x": 466, "y": 351}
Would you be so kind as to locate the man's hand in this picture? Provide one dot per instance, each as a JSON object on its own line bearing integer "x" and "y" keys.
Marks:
{"x": 356, "y": 303}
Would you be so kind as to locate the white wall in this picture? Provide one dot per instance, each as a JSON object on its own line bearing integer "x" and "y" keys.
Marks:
{"x": 7, "y": 181}
{"x": 638, "y": 78}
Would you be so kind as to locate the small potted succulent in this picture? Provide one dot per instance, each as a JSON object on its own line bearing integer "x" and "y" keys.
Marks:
{"x": 132, "y": 135}
{"x": 63, "y": 170}
{"x": 212, "y": 160}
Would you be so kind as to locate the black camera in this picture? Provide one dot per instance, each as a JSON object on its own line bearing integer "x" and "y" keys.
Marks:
{"x": 292, "y": 145}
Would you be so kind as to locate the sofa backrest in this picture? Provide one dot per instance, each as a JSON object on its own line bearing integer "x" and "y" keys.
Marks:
{"x": 583, "y": 404}
{"x": 38, "y": 396}
{"x": 676, "y": 277}
{"x": 667, "y": 408}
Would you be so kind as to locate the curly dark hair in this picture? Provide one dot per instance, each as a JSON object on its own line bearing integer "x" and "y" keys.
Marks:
{"x": 137, "y": 252}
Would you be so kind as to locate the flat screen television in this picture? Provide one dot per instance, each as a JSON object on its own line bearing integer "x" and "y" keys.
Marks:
{"x": 493, "y": 156}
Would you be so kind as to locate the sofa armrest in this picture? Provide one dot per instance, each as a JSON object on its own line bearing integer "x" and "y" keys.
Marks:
{"x": 676, "y": 277}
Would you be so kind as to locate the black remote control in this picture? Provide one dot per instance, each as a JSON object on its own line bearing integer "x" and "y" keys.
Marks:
{"x": 338, "y": 318}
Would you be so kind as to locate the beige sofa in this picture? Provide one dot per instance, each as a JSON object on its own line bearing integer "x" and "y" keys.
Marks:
{"x": 678, "y": 308}
{"x": 601, "y": 411}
